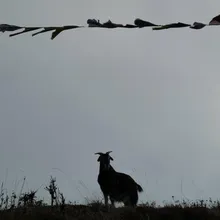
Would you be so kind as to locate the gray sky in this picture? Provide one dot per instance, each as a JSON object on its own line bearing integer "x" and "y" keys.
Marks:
{"x": 152, "y": 97}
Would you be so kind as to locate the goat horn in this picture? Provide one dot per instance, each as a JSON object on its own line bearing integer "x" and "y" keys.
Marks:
{"x": 99, "y": 153}
{"x": 108, "y": 152}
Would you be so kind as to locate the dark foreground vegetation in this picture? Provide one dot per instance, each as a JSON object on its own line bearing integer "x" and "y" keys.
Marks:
{"x": 26, "y": 206}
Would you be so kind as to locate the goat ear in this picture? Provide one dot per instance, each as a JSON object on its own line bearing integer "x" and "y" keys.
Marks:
{"x": 111, "y": 158}
{"x": 98, "y": 159}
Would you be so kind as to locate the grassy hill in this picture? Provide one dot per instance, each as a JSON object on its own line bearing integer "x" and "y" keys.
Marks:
{"x": 98, "y": 212}
{"x": 26, "y": 206}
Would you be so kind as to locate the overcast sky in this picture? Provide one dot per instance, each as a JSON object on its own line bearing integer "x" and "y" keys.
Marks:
{"x": 152, "y": 97}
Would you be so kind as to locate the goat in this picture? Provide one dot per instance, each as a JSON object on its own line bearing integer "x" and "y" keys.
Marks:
{"x": 119, "y": 187}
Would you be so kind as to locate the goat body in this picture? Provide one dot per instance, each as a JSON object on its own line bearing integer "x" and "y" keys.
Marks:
{"x": 120, "y": 187}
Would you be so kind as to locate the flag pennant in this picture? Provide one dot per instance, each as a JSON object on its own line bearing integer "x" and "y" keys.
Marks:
{"x": 110, "y": 24}
{"x": 92, "y": 23}
{"x": 215, "y": 20}
{"x": 130, "y": 26}
{"x": 172, "y": 25}
{"x": 8, "y": 27}
{"x": 197, "y": 25}
{"x": 46, "y": 29}
{"x": 64, "y": 28}
{"x": 27, "y": 29}
{"x": 141, "y": 23}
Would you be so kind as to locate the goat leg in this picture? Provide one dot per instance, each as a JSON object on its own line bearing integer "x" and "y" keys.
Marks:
{"x": 112, "y": 202}
{"x": 106, "y": 200}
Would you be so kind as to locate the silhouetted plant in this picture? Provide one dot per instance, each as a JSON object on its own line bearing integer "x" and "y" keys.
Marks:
{"x": 62, "y": 202}
{"x": 2, "y": 195}
{"x": 52, "y": 189}
{"x": 13, "y": 200}
{"x": 28, "y": 198}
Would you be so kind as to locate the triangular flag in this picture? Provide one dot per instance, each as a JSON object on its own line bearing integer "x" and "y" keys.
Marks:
{"x": 93, "y": 23}
{"x": 46, "y": 29}
{"x": 172, "y": 25}
{"x": 8, "y": 27}
{"x": 197, "y": 25}
{"x": 141, "y": 23}
{"x": 27, "y": 29}
{"x": 110, "y": 24}
{"x": 215, "y": 20}
{"x": 64, "y": 28}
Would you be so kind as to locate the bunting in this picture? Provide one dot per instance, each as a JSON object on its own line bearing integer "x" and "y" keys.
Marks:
{"x": 93, "y": 23}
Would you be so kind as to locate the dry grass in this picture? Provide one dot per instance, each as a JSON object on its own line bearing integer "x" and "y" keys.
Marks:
{"x": 26, "y": 206}
{"x": 97, "y": 212}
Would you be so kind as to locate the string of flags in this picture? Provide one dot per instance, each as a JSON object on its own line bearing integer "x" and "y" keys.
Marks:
{"x": 93, "y": 23}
